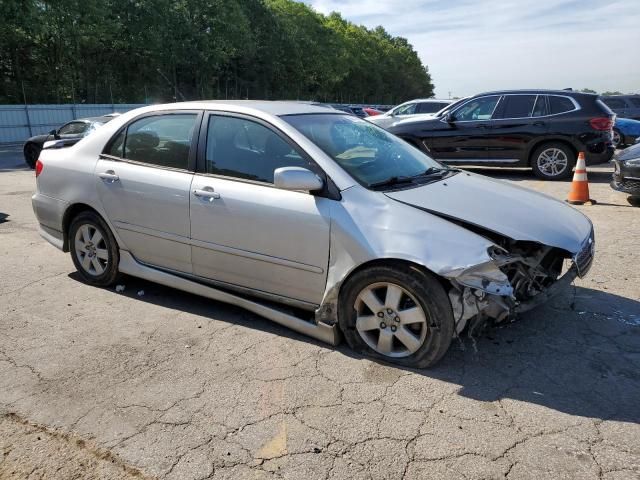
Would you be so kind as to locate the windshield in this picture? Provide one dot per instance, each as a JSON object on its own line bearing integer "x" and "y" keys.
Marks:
{"x": 368, "y": 153}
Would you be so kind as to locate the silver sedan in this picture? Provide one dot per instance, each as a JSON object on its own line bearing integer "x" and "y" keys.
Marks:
{"x": 315, "y": 219}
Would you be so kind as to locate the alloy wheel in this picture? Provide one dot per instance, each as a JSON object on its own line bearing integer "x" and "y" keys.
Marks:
{"x": 390, "y": 320}
{"x": 552, "y": 162}
{"x": 91, "y": 250}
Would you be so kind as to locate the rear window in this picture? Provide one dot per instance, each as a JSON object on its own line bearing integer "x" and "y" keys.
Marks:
{"x": 560, "y": 104}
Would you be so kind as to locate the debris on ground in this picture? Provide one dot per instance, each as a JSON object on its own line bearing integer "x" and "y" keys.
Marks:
{"x": 119, "y": 288}
{"x": 140, "y": 293}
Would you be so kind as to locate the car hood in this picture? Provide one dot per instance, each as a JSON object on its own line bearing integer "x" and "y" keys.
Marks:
{"x": 516, "y": 212}
{"x": 628, "y": 153}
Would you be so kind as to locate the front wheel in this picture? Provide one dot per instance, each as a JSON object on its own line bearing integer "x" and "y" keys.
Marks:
{"x": 553, "y": 161}
{"x": 400, "y": 314}
{"x": 93, "y": 249}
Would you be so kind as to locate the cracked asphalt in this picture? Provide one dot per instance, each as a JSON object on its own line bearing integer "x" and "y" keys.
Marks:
{"x": 100, "y": 384}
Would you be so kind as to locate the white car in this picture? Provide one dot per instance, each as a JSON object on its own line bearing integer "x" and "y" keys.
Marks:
{"x": 408, "y": 109}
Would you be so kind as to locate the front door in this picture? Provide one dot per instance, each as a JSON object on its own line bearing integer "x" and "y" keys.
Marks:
{"x": 464, "y": 138}
{"x": 247, "y": 233}
{"x": 143, "y": 181}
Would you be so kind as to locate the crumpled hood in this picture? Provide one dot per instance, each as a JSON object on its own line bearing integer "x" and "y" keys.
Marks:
{"x": 518, "y": 213}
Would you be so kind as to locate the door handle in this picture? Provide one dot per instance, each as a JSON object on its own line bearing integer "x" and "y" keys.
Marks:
{"x": 483, "y": 126}
{"x": 538, "y": 124}
{"x": 206, "y": 192}
{"x": 109, "y": 175}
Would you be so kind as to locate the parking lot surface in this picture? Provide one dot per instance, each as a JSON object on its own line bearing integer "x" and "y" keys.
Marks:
{"x": 156, "y": 383}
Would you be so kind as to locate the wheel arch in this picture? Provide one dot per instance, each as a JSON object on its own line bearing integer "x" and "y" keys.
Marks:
{"x": 546, "y": 141}
{"x": 70, "y": 213}
{"x": 392, "y": 261}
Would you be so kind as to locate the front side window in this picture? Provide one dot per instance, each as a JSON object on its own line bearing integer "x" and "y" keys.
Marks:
{"x": 73, "y": 128}
{"x": 161, "y": 140}
{"x": 245, "y": 149}
{"x": 518, "y": 106}
{"x": 409, "y": 109}
{"x": 560, "y": 104}
{"x": 368, "y": 153}
{"x": 477, "y": 109}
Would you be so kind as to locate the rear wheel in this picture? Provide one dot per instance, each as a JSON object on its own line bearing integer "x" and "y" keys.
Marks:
{"x": 634, "y": 201}
{"x": 93, "y": 249}
{"x": 400, "y": 314}
{"x": 553, "y": 161}
{"x": 31, "y": 153}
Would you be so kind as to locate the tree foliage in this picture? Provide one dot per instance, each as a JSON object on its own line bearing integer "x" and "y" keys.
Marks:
{"x": 103, "y": 51}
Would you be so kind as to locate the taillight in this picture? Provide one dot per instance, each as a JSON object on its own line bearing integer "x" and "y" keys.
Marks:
{"x": 601, "y": 123}
{"x": 39, "y": 167}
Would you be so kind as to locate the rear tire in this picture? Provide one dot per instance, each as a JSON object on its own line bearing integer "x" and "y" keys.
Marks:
{"x": 93, "y": 249}
{"x": 553, "y": 161}
{"x": 634, "y": 200}
{"x": 31, "y": 153}
{"x": 617, "y": 139}
{"x": 400, "y": 314}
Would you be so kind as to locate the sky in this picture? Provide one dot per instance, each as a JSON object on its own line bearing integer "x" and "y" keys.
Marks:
{"x": 471, "y": 46}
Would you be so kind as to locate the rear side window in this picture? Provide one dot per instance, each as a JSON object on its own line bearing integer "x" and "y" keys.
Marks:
{"x": 430, "y": 107}
{"x": 245, "y": 149}
{"x": 160, "y": 140}
{"x": 615, "y": 103}
{"x": 560, "y": 104}
{"x": 518, "y": 106}
{"x": 540, "y": 109}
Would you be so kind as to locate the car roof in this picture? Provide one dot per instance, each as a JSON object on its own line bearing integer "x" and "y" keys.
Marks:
{"x": 271, "y": 107}
{"x": 535, "y": 91}
{"x": 100, "y": 119}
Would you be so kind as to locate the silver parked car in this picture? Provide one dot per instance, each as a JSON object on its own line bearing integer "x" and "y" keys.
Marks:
{"x": 313, "y": 218}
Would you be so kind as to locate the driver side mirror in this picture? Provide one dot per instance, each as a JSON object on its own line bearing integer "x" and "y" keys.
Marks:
{"x": 450, "y": 118}
{"x": 296, "y": 178}
{"x": 54, "y": 132}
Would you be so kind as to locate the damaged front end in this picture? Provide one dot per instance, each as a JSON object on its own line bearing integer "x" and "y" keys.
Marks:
{"x": 520, "y": 276}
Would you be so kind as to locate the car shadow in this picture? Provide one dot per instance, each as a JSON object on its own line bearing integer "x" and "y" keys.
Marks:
{"x": 4, "y": 217}
{"x": 579, "y": 354}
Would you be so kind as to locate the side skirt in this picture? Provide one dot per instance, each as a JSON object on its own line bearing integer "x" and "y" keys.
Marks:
{"x": 323, "y": 332}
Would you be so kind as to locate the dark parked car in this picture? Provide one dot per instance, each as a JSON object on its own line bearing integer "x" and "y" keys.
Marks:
{"x": 626, "y": 173}
{"x": 71, "y": 133}
{"x": 541, "y": 129}
{"x": 625, "y": 106}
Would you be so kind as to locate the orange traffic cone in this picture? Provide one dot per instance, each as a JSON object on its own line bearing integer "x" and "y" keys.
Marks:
{"x": 579, "y": 194}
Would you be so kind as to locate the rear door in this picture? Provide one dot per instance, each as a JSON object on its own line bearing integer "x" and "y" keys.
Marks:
{"x": 247, "y": 233}
{"x": 519, "y": 119}
{"x": 465, "y": 139}
{"x": 143, "y": 180}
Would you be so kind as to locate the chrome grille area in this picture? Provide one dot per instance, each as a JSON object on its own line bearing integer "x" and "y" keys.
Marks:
{"x": 584, "y": 258}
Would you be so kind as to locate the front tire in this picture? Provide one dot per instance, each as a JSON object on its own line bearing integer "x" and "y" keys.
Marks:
{"x": 398, "y": 313}
{"x": 553, "y": 161}
{"x": 93, "y": 249}
{"x": 31, "y": 153}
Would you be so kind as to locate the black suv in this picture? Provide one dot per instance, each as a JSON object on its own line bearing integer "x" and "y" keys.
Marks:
{"x": 541, "y": 129}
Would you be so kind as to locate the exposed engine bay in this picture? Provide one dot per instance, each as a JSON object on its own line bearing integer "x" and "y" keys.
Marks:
{"x": 527, "y": 274}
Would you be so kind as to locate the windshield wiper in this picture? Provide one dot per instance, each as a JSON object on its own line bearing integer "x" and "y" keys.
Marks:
{"x": 389, "y": 182}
